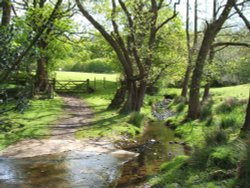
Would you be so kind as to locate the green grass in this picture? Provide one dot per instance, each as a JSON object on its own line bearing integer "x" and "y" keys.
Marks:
{"x": 61, "y": 75}
{"x": 215, "y": 139}
{"x": 108, "y": 124}
{"x": 33, "y": 123}
{"x": 240, "y": 91}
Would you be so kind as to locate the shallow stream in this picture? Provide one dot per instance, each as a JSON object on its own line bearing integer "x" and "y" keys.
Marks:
{"x": 76, "y": 169}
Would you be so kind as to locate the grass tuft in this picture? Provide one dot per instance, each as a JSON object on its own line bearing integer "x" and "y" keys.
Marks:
{"x": 136, "y": 119}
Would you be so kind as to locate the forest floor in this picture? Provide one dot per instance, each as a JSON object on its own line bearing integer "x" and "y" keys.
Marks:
{"x": 62, "y": 139}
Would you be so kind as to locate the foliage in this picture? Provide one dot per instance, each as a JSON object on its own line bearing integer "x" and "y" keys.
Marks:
{"x": 232, "y": 63}
{"x": 229, "y": 104}
{"x": 217, "y": 150}
{"x": 90, "y": 55}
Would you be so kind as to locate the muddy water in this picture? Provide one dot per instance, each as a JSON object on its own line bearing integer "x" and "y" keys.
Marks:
{"x": 156, "y": 146}
{"x": 78, "y": 169}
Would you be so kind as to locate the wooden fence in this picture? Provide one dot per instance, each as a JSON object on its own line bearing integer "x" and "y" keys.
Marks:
{"x": 70, "y": 86}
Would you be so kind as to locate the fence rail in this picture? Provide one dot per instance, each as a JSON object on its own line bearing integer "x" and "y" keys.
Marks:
{"x": 70, "y": 86}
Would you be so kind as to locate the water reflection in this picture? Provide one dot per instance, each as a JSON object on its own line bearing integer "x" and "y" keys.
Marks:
{"x": 154, "y": 150}
{"x": 78, "y": 169}
{"x": 73, "y": 169}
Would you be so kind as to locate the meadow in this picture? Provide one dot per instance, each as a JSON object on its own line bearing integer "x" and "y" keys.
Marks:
{"x": 214, "y": 137}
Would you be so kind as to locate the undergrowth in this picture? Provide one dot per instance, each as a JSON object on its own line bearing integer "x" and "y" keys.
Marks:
{"x": 219, "y": 158}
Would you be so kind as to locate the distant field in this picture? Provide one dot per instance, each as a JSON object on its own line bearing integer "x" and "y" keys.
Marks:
{"x": 240, "y": 91}
{"x": 61, "y": 75}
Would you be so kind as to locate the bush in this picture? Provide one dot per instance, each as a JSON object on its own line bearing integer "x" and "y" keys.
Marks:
{"x": 224, "y": 158}
{"x": 216, "y": 137}
{"x": 180, "y": 107}
{"x": 136, "y": 119}
{"x": 229, "y": 104}
{"x": 228, "y": 121}
{"x": 179, "y": 99}
{"x": 98, "y": 65}
{"x": 206, "y": 109}
{"x": 199, "y": 158}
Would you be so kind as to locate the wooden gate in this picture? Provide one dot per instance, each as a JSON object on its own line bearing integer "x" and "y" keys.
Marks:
{"x": 71, "y": 86}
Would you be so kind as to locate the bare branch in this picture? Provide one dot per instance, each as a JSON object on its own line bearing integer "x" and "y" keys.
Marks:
{"x": 218, "y": 44}
{"x": 247, "y": 23}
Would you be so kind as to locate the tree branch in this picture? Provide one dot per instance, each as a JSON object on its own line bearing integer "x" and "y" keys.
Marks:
{"x": 107, "y": 36}
{"x": 247, "y": 23}
{"x": 32, "y": 43}
{"x": 218, "y": 44}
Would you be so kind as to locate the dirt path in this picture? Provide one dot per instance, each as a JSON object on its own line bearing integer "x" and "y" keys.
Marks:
{"x": 62, "y": 139}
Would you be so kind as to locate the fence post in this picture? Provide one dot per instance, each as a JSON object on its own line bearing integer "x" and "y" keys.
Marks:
{"x": 54, "y": 84}
{"x": 95, "y": 83}
{"x": 104, "y": 82}
{"x": 87, "y": 84}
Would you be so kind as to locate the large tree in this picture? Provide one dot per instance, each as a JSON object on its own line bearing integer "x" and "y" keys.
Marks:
{"x": 212, "y": 29}
{"x": 6, "y": 14}
{"x": 21, "y": 54}
{"x": 246, "y": 125}
{"x": 135, "y": 25}
{"x": 191, "y": 47}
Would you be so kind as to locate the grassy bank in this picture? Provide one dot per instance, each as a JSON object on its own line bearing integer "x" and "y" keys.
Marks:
{"x": 217, "y": 149}
{"x": 107, "y": 123}
{"x": 32, "y": 123}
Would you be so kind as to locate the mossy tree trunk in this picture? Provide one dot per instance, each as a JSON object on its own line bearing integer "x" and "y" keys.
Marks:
{"x": 119, "y": 97}
{"x": 246, "y": 125}
{"x": 209, "y": 36}
{"x": 6, "y": 13}
{"x": 191, "y": 50}
{"x": 42, "y": 76}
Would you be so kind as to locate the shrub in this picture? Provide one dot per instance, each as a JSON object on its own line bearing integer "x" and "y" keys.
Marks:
{"x": 206, "y": 109}
{"x": 179, "y": 99}
{"x": 224, "y": 157}
{"x": 199, "y": 157}
{"x": 229, "y": 104}
{"x": 216, "y": 137}
{"x": 136, "y": 119}
{"x": 228, "y": 121}
{"x": 180, "y": 107}
{"x": 174, "y": 164}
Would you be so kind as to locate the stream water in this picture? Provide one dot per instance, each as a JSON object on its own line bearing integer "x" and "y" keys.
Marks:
{"x": 76, "y": 169}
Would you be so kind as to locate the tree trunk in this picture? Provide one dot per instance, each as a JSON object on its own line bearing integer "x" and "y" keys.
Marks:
{"x": 246, "y": 126}
{"x": 209, "y": 36}
{"x": 191, "y": 50}
{"x": 206, "y": 92}
{"x": 119, "y": 97}
{"x": 136, "y": 92}
{"x": 194, "y": 96}
{"x": 184, "y": 90}
{"x": 6, "y": 15}
{"x": 42, "y": 75}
